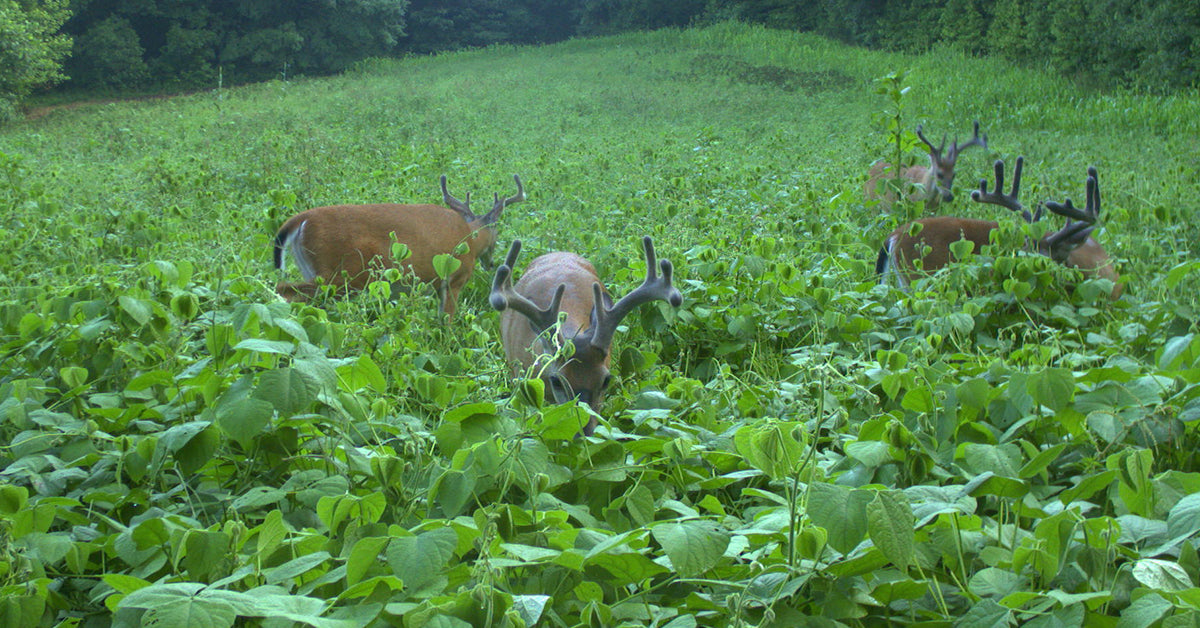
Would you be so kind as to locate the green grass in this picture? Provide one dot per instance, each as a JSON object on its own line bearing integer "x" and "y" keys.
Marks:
{"x": 789, "y": 412}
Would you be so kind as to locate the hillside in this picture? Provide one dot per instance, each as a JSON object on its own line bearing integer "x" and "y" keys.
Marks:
{"x": 795, "y": 441}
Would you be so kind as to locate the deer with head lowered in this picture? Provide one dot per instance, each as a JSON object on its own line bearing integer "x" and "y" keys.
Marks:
{"x": 350, "y": 245}
{"x": 933, "y": 184}
{"x": 565, "y": 285}
{"x": 923, "y": 246}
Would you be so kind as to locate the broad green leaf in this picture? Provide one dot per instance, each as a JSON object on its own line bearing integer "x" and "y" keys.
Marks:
{"x": 138, "y": 309}
{"x": 418, "y": 560}
{"x": 453, "y": 490}
{"x": 1177, "y": 352}
{"x": 890, "y": 524}
{"x": 919, "y": 400}
{"x": 364, "y": 555}
{"x": 287, "y": 390}
{"x": 694, "y": 547}
{"x": 1184, "y": 518}
{"x": 205, "y": 551}
{"x": 841, "y": 511}
{"x": 991, "y": 582}
{"x": 985, "y": 614}
{"x": 294, "y": 568}
{"x": 362, "y": 373}
{"x": 626, "y": 567}
{"x": 22, "y": 610}
{"x": 1003, "y": 460}
{"x": 1052, "y": 387}
{"x": 243, "y": 418}
{"x": 530, "y": 607}
{"x": 258, "y": 345}
{"x": 870, "y": 453}
{"x": 12, "y": 498}
{"x": 1088, "y": 486}
{"x": 773, "y": 448}
{"x": 258, "y": 497}
{"x": 1144, "y": 611}
{"x": 1041, "y": 461}
{"x": 445, "y": 265}
{"x": 1163, "y": 575}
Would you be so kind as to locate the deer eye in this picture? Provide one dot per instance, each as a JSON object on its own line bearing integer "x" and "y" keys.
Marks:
{"x": 558, "y": 386}
{"x": 606, "y": 383}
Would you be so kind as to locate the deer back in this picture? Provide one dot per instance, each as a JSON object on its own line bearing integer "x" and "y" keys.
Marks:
{"x": 346, "y": 245}
{"x": 911, "y": 251}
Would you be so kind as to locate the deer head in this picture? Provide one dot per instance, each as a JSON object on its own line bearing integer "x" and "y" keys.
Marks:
{"x": 560, "y": 300}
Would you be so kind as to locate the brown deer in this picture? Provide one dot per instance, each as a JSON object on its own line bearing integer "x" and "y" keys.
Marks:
{"x": 350, "y": 245}
{"x": 923, "y": 246}
{"x": 932, "y": 185}
{"x": 564, "y": 286}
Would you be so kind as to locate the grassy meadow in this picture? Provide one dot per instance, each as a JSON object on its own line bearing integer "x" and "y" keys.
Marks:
{"x": 795, "y": 445}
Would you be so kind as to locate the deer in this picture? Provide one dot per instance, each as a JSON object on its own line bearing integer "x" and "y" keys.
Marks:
{"x": 923, "y": 246}
{"x": 350, "y": 245}
{"x": 560, "y": 299}
{"x": 933, "y": 184}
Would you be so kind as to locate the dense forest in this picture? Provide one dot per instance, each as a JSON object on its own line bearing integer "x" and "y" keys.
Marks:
{"x": 185, "y": 44}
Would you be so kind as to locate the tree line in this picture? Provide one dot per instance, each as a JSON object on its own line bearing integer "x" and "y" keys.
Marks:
{"x": 165, "y": 44}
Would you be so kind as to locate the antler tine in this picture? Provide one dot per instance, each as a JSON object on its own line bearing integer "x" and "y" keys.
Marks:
{"x": 935, "y": 151}
{"x": 503, "y": 295}
{"x": 956, "y": 148}
{"x": 498, "y": 205}
{"x": 997, "y": 197}
{"x": 656, "y": 287}
{"x": 1080, "y": 222}
{"x": 454, "y": 203}
{"x": 1091, "y": 210}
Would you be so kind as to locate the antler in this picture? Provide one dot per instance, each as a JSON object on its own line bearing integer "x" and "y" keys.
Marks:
{"x": 1080, "y": 222}
{"x": 656, "y": 287}
{"x": 498, "y": 205}
{"x": 998, "y": 197}
{"x": 503, "y": 295}
{"x": 956, "y": 148}
{"x": 935, "y": 151}
{"x": 455, "y": 204}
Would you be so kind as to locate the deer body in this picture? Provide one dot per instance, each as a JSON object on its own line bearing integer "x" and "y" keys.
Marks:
{"x": 566, "y": 283}
{"x": 349, "y": 245}
{"x": 909, "y": 255}
{"x": 933, "y": 184}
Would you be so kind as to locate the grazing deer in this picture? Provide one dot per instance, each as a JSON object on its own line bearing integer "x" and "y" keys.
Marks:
{"x": 567, "y": 284}
{"x": 923, "y": 246}
{"x": 349, "y": 245}
{"x": 933, "y": 185}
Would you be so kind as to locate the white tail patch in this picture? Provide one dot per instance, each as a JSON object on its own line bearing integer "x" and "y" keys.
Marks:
{"x": 293, "y": 244}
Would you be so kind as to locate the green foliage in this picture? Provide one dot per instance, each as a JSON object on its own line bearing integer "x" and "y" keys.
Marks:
{"x": 192, "y": 43}
{"x": 794, "y": 444}
{"x": 32, "y": 52}
{"x": 108, "y": 54}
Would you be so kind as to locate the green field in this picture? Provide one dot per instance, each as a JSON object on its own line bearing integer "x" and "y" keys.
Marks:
{"x": 794, "y": 444}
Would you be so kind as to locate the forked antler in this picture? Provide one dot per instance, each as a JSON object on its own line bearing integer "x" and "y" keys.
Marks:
{"x": 656, "y": 287}
{"x": 464, "y": 207}
{"x": 955, "y": 147}
{"x": 1080, "y": 222}
{"x": 503, "y": 295}
{"x": 1007, "y": 201}
{"x": 461, "y": 207}
{"x": 499, "y": 204}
